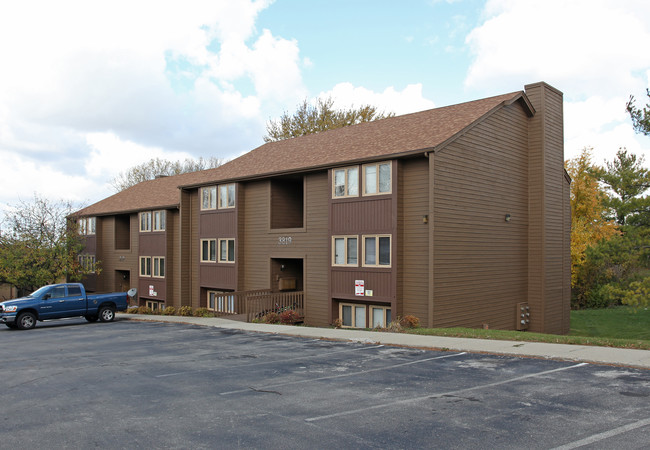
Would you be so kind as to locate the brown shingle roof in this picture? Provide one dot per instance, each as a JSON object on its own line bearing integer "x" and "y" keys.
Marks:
{"x": 400, "y": 135}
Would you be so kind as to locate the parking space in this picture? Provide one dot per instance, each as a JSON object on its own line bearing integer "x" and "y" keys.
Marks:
{"x": 153, "y": 385}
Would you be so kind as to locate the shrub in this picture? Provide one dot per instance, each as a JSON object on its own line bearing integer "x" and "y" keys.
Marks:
{"x": 338, "y": 323}
{"x": 144, "y": 310}
{"x": 185, "y": 311}
{"x": 289, "y": 317}
{"x": 169, "y": 311}
{"x": 409, "y": 322}
{"x": 203, "y": 312}
{"x": 132, "y": 310}
{"x": 394, "y": 327}
{"x": 271, "y": 317}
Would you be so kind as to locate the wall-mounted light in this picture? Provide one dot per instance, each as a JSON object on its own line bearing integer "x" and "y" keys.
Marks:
{"x": 425, "y": 218}
{"x": 281, "y": 267}
{"x": 507, "y": 217}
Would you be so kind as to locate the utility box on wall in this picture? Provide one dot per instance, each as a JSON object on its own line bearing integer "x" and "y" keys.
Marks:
{"x": 523, "y": 316}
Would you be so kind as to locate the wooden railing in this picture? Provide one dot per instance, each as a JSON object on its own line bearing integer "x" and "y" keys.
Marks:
{"x": 250, "y": 305}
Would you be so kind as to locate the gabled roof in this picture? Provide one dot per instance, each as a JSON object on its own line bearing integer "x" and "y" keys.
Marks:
{"x": 382, "y": 139}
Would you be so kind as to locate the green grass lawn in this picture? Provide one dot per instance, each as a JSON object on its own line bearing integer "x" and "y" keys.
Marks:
{"x": 615, "y": 327}
{"x": 622, "y": 323}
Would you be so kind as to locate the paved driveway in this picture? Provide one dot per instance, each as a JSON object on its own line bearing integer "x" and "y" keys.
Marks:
{"x": 153, "y": 385}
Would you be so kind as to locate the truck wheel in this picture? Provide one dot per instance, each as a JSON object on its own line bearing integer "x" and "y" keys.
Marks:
{"x": 26, "y": 321}
{"x": 91, "y": 318}
{"x": 106, "y": 314}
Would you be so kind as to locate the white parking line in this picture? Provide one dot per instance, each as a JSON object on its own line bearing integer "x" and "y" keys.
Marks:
{"x": 604, "y": 435}
{"x": 407, "y": 401}
{"x": 350, "y": 374}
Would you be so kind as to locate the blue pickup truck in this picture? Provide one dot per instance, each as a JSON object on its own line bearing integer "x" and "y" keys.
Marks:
{"x": 58, "y": 301}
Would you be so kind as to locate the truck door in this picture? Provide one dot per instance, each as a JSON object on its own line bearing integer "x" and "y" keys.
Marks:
{"x": 63, "y": 301}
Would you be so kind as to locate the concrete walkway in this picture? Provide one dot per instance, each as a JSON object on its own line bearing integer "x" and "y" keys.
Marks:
{"x": 583, "y": 353}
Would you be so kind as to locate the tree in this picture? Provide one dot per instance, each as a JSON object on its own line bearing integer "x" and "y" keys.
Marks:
{"x": 589, "y": 224}
{"x": 161, "y": 167}
{"x": 626, "y": 177}
{"x": 322, "y": 116}
{"x": 640, "y": 116}
{"x": 38, "y": 244}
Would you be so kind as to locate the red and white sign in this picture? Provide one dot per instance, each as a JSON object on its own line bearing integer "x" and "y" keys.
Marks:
{"x": 359, "y": 287}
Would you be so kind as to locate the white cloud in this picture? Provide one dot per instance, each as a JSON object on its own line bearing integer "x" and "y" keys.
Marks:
{"x": 89, "y": 89}
{"x": 408, "y": 100}
{"x": 595, "y": 51}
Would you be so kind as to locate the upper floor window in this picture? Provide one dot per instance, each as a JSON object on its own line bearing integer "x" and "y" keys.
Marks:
{"x": 209, "y": 197}
{"x": 377, "y": 178}
{"x": 159, "y": 219}
{"x": 87, "y": 262}
{"x": 152, "y": 220}
{"x": 227, "y": 250}
{"x": 376, "y": 251}
{"x": 225, "y": 199}
{"x": 145, "y": 221}
{"x": 344, "y": 251}
{"x": 345, "y": 182}
{"x": 159, "y": 266}
{"x": 208, "y": 250}
{"x": 87, "y": 225}
{"x": 227, "y": 196}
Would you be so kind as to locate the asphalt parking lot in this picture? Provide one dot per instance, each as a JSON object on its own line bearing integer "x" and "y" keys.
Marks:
{"x": 161, "y": 385}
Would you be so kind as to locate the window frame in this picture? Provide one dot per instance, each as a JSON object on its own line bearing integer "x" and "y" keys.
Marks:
{"x": 211, "y": 199}
{"x": 159, "y": 305}
{"x": 147, "y": 266}
{"x": 229, "y": 196}
{"x": 146, "y": 225}
{"x": 212, "y": 250}
{"x": 346, "y": 258}
{"x": 224, "y": 305}
{"x": 219, "y": 251}
{"x": 159, "y": 224}
{"x": 377, "y": 182}
{"x": 377, "y": 240}
{"x": 386, "y": 312}
{"x": 354, "y": 314}
{"x": 158, "y": 263}
{"x": 87, "y": 262}
{"x": 346, "y": 184}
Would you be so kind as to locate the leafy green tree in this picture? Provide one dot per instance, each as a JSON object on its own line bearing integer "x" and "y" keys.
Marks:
{"x": 589, "y": 223}
{"x": 319, "y": 117}
{"x": 39, "y": 245}
{"x": 628, "y": 180}
{"x": 161, "y": 167}
{"x": 640, "y": 116}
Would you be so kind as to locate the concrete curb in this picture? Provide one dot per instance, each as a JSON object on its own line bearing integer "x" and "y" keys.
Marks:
{"x": 583, "y": 353}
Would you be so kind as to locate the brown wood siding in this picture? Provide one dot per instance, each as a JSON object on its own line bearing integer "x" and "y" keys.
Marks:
{"x": 480, "y": 260}
{"x": 547, "y": 283}
{"x": 113, "y": 260}
{"x": 184, "y": 271}
{"x": 193, "y": 250}
{"x": 413, "y": 239}
{"x": 287, "y": 203}
{"x": 218, "y": 224}
{"x": 309, "y": 243}
{"x": 363, "y": 215}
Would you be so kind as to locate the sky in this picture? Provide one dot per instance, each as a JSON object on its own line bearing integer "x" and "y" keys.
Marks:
{"x": 89, "y": 89}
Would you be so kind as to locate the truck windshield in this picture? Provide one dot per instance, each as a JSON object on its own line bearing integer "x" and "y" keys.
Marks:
{"x": 40, "y": 292}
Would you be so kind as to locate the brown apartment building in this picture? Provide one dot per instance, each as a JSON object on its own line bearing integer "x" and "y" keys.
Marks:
{"x": 457, "y": 215}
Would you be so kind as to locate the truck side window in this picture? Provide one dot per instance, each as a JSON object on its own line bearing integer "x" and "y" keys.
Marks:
{"x": 57, "y": 292}
{"x": 74, "y": 291}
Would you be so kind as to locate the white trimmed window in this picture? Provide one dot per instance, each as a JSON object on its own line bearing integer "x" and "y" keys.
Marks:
{"x": 155, "y": 305}
{"x": 208, "y": 250}
{"x": 377, "y": 178}
{"x": 352, "y": 316}
{"x": 159, "y": 219}
{"x": 376, "y": 251}
{"x": 158, "y": 266}
{"x": 227, "y": 196}
{"x": 221, "y": 302}
{"x": 226, "y": 250}
{"x": 145, "y": 221}
{"x": 380, "y": 316}
{"x": 87, "y": 225}
{"x": 145, "y": 266}
{"x": 209, "y": 197}
{"x": 345, "y": 250}
{"x": 345, "y": 182}
{"x": 87, "y": 262}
